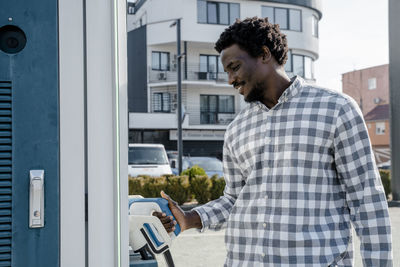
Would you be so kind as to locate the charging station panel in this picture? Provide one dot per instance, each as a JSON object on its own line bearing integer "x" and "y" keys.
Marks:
{"x": 29, "y": 133}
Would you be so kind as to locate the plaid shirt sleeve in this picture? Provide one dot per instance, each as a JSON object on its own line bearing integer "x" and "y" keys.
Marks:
{"x": 365, "y": 195}
{"x": 214, "y": 214}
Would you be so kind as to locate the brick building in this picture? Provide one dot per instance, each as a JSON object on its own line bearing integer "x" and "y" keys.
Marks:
{"x": 377, "y": 121}
{"x": 370, "y": 88}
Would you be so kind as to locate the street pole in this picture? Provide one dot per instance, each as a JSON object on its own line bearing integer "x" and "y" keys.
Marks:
{"x": 177, "y": 23}
{"x": 394, "y": 83}
{"x": 179, "y": 88}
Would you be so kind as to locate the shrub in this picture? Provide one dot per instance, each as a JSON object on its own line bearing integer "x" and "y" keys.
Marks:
{"x": 200, "y": 187}
{"x": 134, "y": 186}
{"x": 217, "y": 187}
{"x": 152, "y": 187}
{"x": 385, "y": 177}
{"x": 178, "y": 188}
{"x": 147, "y": 186}
{"x": 193, "y": 172}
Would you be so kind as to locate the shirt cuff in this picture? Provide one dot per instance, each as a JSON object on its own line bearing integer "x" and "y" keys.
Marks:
{"x": 205, "y": 222}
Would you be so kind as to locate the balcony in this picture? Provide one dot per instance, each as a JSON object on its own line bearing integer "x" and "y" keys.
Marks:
{"x": 169, "y": 121}
{"x": 191, "y": 73}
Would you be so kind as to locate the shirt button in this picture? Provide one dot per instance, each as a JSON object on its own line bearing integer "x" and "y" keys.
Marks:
{"x": 263, "y": 255}
{"x": 265, "y": 225}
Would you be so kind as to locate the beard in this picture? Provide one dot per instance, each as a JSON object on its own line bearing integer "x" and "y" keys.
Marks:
{"x": 256, "y": 94}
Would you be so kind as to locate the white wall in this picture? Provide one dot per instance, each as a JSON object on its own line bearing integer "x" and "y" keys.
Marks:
{"x": 158, "y": 10}
{"x": 93, "y": 144}
{"x": 72, "y": 134}
{"x": 107, "y": 133}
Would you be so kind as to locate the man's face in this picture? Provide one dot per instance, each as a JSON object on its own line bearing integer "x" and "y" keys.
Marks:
{"x": 244, "y": 71}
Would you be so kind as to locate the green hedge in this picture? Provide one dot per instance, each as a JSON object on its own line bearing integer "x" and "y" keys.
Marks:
{"x": 178, "y": 188}
{"x": 200, "y": 188}
{"x": 192, "y": 183}
{"x": 197, "y": 185}
{"x": 385, "y": 177}
{"x": 217, "y": 187}
{"x": 193, "y": 172}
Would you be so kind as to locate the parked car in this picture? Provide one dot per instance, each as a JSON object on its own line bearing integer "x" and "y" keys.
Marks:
{"x": 148, "y": 159}
{"x": 210, "y": 165}
{"x": 384, "y": 165}
{"x": 172, "y": 154}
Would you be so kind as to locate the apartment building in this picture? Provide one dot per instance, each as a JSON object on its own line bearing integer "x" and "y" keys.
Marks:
{"x": 370, "y": 88}
{"x": 209, "y": 102}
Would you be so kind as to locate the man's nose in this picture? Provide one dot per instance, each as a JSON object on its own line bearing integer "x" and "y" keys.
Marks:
{"x": 231, "y": 78}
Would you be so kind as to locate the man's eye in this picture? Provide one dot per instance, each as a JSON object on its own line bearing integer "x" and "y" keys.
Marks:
{"x": 236, "y": 67}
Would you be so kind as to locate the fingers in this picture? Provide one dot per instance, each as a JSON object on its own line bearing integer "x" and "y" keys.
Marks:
{"x": 167, "y": 221}
{"x": 170, "y": 227}
{"x": 165, "y": 196}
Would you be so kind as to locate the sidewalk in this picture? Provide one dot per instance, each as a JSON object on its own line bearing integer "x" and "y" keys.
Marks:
{"x": 208, "y": 249}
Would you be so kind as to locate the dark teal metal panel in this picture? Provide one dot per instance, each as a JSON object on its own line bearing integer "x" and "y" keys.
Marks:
{"x": 5, "y": 172}
{"x": 137, "y": 70}
{"x": 33, "y": 74}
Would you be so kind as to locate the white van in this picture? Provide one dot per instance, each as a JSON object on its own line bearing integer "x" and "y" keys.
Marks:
{"x": 148, "y": 159}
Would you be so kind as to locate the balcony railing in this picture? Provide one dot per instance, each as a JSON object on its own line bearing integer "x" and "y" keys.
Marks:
{"x": 190, "y": 73}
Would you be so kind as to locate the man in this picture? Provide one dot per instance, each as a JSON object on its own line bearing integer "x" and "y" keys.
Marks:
{"x": 298, "y": 166}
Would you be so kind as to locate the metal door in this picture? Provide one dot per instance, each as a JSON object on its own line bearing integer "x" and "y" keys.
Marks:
{"x": 29, "y": 130}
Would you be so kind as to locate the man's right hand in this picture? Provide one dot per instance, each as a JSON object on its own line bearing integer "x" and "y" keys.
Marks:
{"x": 186, "y": 220}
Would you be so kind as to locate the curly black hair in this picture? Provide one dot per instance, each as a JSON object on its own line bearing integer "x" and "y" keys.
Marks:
{"x": 252, "y": 34}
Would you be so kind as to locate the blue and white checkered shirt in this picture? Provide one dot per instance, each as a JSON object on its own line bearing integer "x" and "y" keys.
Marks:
{"x": 296, "y": 176}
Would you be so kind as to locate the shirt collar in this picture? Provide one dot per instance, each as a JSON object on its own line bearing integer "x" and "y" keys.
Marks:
{"x": 296, "y": 83}
{"x": 292, "y": 90}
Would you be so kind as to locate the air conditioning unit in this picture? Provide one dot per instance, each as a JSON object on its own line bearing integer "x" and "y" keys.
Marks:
{"x": 162, "y": 76}
{"x": 131, "y": 10}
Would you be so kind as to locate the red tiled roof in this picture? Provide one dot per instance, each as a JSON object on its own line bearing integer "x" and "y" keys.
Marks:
{"x": 380, "y": 112}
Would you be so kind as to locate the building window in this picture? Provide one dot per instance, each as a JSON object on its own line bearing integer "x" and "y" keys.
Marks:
{"x": 314, "y": 25}
{"x": 217, "y": 12}
{"x": 372, "y": 83}
{"x": 160, "y": 60}
{"x": 308, "y": 68}
{"x": 302, "y": 66}
{"x": 298, "y": 65}
{"x": 281, "y": 18}
{"x": 288, "y": 65}
{"x": 214, "y": 107}
{"x": 369, "y": 125}
{"x": 295, "y": 19}
{"x": 268, "y": 12}
{"x": 161, "y": 102}
{"x": 287, "y": 18}
{"x": 210, "y": 66}
{"x": 380, "y": 128}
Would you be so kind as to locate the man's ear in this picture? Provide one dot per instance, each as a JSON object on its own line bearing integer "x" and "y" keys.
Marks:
{"x": 266, "y": 57}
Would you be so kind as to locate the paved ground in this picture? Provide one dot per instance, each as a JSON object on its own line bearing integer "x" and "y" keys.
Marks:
{"x": 192, "y": 249}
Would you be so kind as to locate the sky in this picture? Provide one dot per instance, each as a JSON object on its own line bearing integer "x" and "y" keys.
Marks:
{"x": 353, "y": 34}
